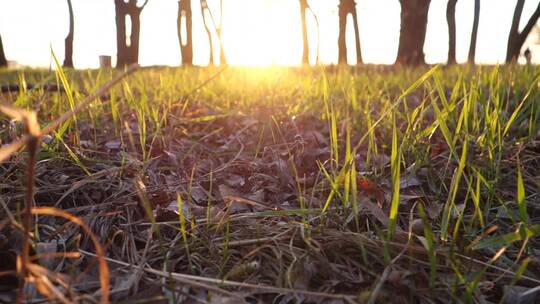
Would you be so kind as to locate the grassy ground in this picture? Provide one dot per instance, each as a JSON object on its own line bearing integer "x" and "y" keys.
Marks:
{"x": 282, "y": 185}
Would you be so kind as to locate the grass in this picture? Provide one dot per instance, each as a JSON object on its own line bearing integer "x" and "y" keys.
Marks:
{"x": 356, "y": 185}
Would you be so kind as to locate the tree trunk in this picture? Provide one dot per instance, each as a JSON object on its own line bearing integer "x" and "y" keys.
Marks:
{"x": 318, "y": 34}
{"x": 217, "y": 28}
{"x": 3, "y": 61}
{"x": 128, "y": 47}
{"x": 186, "y": 49}
{"x": 347, "y": 7}
{"x": 342, "y": 43}
{"x": 356, "y": 34}
{"x": 414, "y": 15}
{"x": 120, "y": 33}
{"x": 451, "y": 20}
{"x": 135, "y": 36}
{"x": 474, "y": 32}
{"x": 305, "y": 42}
{"x": 514, "y": 33}
{"x": 222, "y": 58}
{"x": 204, "y": 7}
{"x": 516, "y": 39}
{"x": 68, "y": 57}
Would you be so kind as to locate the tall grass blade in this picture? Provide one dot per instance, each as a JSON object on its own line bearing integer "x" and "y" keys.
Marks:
{"x": 69, "y": 93}
{"x": 395, "y": 164}
{"x": 520, "y": 196}
{"x": 449, "y": 206}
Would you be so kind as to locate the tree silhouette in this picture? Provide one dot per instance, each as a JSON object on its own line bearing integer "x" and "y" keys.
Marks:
{"x": 318, "y": 31}
{"x": 185, "y": 17}
{"x": 304, "y": 7}
{"x": 305, "y": 42}
{"x": 222, "y": 58}
{"x": 414, "y": 15}
{"x": 128, "y": 45}
{"x": 217, "y": 28}
{"x": 3, "y": 61}
{"x": 68, "y": 57}
{"x": 204, "y": 11}
{"x": 451, "y": 20}
{"x": 474, "y": 32}
{"x": 347, "y": 7}
{"x": 516, "y": 38}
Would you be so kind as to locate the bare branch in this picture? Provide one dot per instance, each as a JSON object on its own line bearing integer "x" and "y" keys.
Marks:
{"x": 532, "y": 22}
{"x": 144, "y": 4}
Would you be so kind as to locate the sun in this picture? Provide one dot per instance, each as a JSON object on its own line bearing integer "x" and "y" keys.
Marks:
{"x": 261, "y": 33}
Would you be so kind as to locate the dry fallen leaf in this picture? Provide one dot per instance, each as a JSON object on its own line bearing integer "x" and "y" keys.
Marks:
{"x": 170, "y": 212}
{"x": 371, "y": 188}
{"x": 409, "y": 181}
{"x": 114, "y": 144}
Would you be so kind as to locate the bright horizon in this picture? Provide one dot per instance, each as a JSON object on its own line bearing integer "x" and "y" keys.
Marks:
{"x": 255, "y": 32}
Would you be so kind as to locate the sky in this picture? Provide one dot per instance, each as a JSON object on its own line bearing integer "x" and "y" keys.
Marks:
{"x": 255, "y": 32}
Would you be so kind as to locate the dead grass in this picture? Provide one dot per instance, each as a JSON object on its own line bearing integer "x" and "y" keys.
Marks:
{"x": 244, "y": 190}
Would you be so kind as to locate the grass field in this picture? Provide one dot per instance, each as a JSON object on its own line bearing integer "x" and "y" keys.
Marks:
{"x": 320, "y": 185}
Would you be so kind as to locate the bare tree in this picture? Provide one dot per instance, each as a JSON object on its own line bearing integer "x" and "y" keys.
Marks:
{"x": 516, "y": 38}
{"x": 474, "y": 32}
{"x": 222, "y": 58}
{"x": 304, "y": 6}
{"x": 185, "y": 19}
{"x": 68, "y": 57}
{"x": 305, "y": 42}
{"x": 347, "y": 7}
{"x": 204, "y": 11}
{"x": 217, "y": 28}
{"x": 127, "y": 43}
{"x": 3, "y": 60}
{"x": 451, "y": 20}
{"x": 318, "y": 34}
{"x": 414, "y": 15}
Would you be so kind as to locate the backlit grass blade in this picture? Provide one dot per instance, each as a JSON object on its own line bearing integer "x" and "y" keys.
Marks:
{"x": 521, "y": 233}
{"x": 332, "y": 123}
{"x": 183, "y": 228}
{"x": 520, "y": 197}
{"x": 72, "y": 154}
{"x": 445, "y": 130}
{"x": 391, "y": 108}
{"x": 334, "y": 184}
{"x": 395, "y": 168}
{"x": 348, "y": 159}
{"x": 69, "y": 92}
{"x": 476, "y": 200}
{"x": 519, "y": 107}
{"x": 419, "y": 82}
{"x": 354, "y": 193}
{"x": 181, "y": 216}
{"x": 454, "y": 186}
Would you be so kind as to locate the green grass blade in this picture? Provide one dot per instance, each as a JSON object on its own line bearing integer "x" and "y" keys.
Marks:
{"x": 520, "y": 196}
{"x": 69, "y": 92}
{"x": 395, "y": 168}
{"x": 454, "y": 187}
{"x": 506, "y": 239}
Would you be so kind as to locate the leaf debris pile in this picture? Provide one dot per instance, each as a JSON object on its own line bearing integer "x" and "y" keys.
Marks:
{"x": 205, "y": 202}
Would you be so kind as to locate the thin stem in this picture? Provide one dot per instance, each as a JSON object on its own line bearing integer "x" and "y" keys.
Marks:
{"x": 27, "y": 214}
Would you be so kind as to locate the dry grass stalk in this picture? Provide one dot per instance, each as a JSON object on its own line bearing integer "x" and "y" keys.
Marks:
{"x": 32, "y": 140}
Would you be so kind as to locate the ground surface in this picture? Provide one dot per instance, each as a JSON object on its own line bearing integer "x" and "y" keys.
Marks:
{"x": 283, "y": 185}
